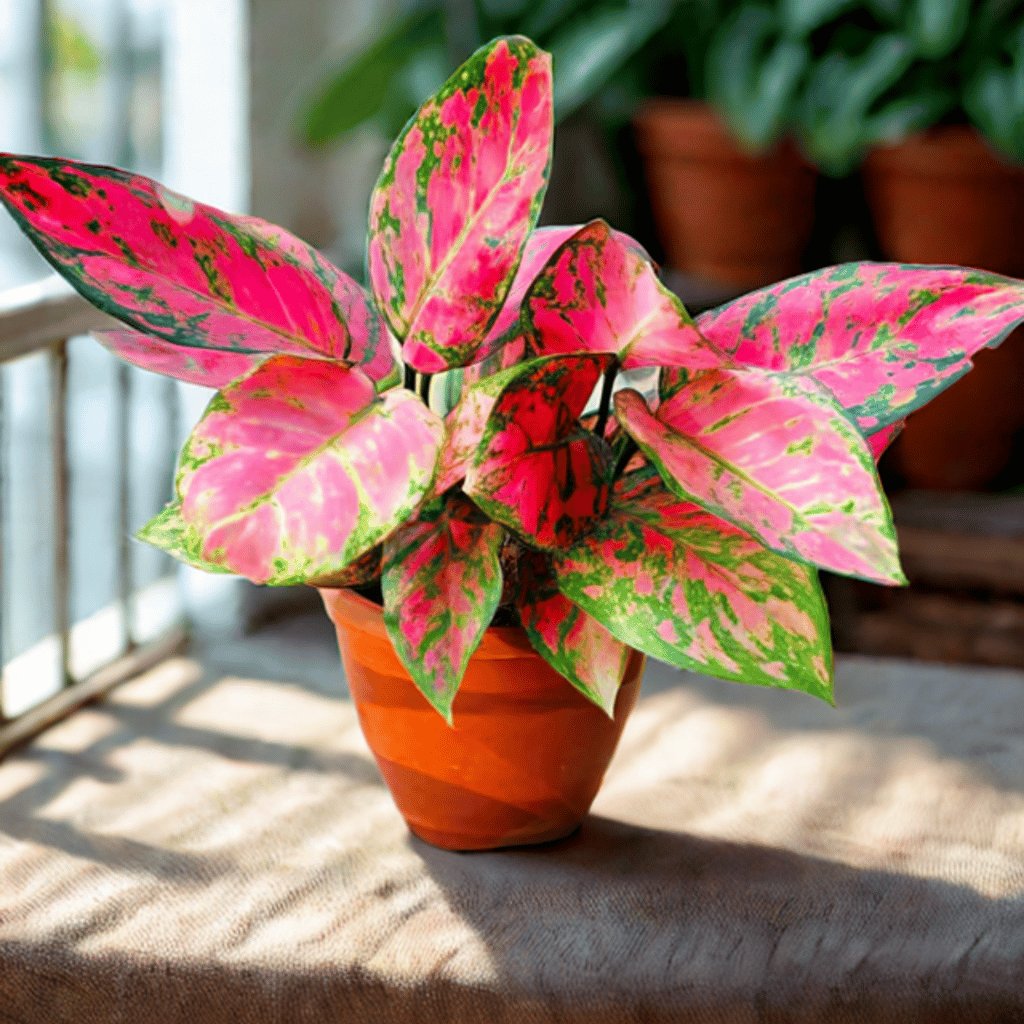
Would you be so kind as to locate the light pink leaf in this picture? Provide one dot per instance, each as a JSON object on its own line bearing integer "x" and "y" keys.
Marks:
{"x": 210, "y": 367}
{"x": 597, "y": 295}
{"x": 669, "y": 579}
{"x": 773, "y": 454}
{"x": 566, "y": 637}
{"x": 459, "y": 194}
{"x": 188, "y": 273}
{"x": 442, "y": 583}
{"x": 882, "y": 337}
{"x": 297, "y": 470}
{"x": 536, "y": 470}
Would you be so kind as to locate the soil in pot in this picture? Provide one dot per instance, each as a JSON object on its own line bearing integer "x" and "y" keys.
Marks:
{"x": 723, "y": 215}
{"x": 525, "y": 756}
{"x": 945, "y": 197}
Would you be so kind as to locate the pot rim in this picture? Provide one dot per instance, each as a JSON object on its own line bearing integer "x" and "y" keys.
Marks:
{"x": 499, "y": 642}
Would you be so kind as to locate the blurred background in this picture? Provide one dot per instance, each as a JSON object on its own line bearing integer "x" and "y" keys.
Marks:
{"x": 741, "y": 142}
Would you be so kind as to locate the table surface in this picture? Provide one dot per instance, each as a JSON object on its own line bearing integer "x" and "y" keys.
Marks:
{"x": 213, "y": 846}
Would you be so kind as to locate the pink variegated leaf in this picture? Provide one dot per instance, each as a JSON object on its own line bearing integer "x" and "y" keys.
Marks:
{"x": 882, "y": 337}
{"x": 572, "y": 642}
{"x": 188, "y": 273}
{"x": 540, "y": 247}
{"x": 459, "y": 195}
{"x": 298, "y": 469}
{"x": 536, "y": 470}
{"x": 674, "y": 379}
{"x": 597, "y": 295}
{"x": 775, "y": 455}
{"x": 669, "y": 579}
{"x": 168, "y": 531}
{"x": 210, "y": 367}
{"x": 441, "y": 583}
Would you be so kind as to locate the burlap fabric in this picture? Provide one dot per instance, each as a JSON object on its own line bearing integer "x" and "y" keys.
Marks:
{"x": 205, "y": 848}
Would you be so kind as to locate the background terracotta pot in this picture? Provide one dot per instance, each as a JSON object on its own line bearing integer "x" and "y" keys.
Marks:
{"x": 945, "y": 197}
{"x": 524, "y": 759}
{"x": 720, "y": 214}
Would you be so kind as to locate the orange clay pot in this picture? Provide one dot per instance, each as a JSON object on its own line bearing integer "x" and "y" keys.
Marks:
{"x": 524, "y": 759}
{"x": 721, "y": 214}
{"x": 944, "y": 197}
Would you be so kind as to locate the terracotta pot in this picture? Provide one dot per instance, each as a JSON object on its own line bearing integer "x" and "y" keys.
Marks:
{"x": 720, "y": 214}
{"x": 524, "y": 759}
{"x": 944, "y": 197}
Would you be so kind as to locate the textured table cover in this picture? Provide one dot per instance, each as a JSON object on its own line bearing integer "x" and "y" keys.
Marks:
{"x": 206, "y": 848}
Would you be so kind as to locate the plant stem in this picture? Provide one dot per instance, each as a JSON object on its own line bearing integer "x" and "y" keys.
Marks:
{"x": 425, "y": 388}
{"x": 628, "y": 452}
{"x": 606, "y": 399}
{"x": 410, "y": 379}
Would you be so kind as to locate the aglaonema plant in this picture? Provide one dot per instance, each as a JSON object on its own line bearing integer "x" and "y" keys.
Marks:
{"x": 686, "y": 519}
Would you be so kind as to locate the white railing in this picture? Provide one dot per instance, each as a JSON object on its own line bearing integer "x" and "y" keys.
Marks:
{"x": 42, "y": 318}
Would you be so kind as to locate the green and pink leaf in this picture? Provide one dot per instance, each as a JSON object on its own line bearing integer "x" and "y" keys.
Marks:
{"x": 596, "y": 294}
{"x": 186, "y": 272}
{"x": 773, "y": 454}
{"x": 666, "y": 577}
{"x": 442, "y": 583}
{"x": 572, "y": 642}
{"x": 460, "y": 193}
{"x": 882, "y": 337}
{"x": 297, "y": 470}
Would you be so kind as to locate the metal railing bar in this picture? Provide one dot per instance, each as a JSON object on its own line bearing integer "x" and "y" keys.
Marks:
{"x": 38, "y": 314}
{"x": 59, "y": 706}
{"x": 58, "y": 359}
{"x": 124, "y": 545}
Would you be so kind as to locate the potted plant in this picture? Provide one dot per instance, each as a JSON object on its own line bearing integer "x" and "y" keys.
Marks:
{"x": 949, "y": 188}
{"x": 732, "y": 198}
{"x": 684, "y": 521}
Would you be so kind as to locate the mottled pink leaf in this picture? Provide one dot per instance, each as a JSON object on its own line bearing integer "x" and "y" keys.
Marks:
{"x": 669, "y": 579}
{"x": 566, "y": 637}
{"x": 773, "y": 454}
{"x": 210, "y": 367}
{"x": 597, "y": 295}
{"x": 882, "y": 337}
{"x": 540, "y": 246}
{"x": 442, "y": 583}
{"x": 186, "y": 272}
{"x": 536, "y": 470}
{"x": 297, "y": 470}
{"x": 459, "y": 194}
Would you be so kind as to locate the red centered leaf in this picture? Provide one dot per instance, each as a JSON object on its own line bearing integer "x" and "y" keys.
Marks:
{"x": 668, "y": 578}
{"x": 442, "y": 583}
{"x": 459, "y": 194}
{"x": 186, "y": 272}
{"x": 296, "y": 470}
{"x": 773, "y": 454}
{"x": 883, "y": 338}
{"x": 597, "y": 295}
{"x": 212, "y": 368}
{"x": 536, "y": 470}
{"x": 567, "y": 638}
